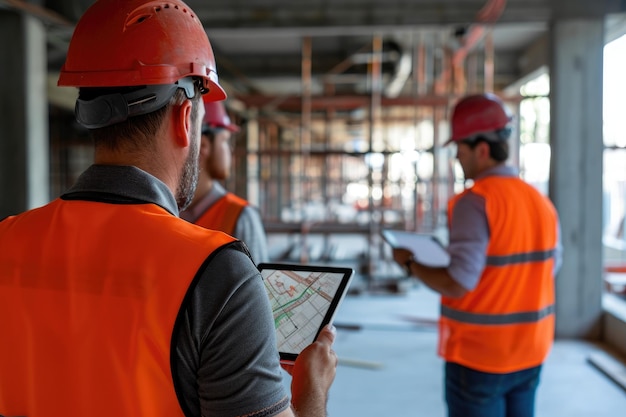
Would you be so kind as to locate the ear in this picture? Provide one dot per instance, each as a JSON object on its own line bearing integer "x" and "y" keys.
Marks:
{"x": 483, "y": 150}
{"x": 206, "y": 147}
{"x": 182, "y": 123}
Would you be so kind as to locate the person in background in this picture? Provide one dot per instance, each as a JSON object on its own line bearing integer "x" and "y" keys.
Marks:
{"x": 496, "y": 323}
{"x": 212, "y": 206}
{"x": 111, "y": 304}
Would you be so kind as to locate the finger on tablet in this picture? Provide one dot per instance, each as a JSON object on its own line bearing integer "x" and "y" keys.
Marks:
{"x": 327, "y": 334}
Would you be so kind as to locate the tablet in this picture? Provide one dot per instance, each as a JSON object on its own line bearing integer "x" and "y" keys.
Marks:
{"x": 426, "y": 249}
{"x": 304, "y": 298}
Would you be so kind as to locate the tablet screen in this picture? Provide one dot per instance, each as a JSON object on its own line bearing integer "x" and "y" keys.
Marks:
{"x": 304, "y": 299}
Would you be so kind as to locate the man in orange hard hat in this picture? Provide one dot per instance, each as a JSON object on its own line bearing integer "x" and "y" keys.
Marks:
{"x": 111, "y": 304}
{"x": 497, "y": 308}
{"x": 212, "y": 206}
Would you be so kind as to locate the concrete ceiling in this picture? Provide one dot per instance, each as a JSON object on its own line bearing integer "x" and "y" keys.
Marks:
{"x": 260, "y": 45}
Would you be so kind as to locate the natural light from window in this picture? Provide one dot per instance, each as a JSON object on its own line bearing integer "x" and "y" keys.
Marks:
{"x": 614, "y": 169}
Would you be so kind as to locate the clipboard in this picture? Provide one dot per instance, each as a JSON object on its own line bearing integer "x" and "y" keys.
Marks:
{"x": 426, "y": 249}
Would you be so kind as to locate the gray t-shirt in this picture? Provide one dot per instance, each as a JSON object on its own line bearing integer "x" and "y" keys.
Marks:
{"x": 225, "y": 362}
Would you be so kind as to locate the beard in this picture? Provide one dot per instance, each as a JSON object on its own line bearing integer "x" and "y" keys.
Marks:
{"x": 189, "y": 178}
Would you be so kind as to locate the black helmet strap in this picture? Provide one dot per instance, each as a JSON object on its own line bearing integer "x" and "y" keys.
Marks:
{"x": 109, "y": 109}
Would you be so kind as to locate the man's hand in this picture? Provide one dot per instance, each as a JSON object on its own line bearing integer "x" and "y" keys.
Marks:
{"x": 312, "y": 375}
{"x": 437, "y": 279}
{"x": 404, "y": 258}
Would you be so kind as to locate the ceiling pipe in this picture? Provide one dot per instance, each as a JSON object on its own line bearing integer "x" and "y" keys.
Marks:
{"x": 404, "y": 66}
{"x": 489, "y": 14}
{"x": 46, "y": 15}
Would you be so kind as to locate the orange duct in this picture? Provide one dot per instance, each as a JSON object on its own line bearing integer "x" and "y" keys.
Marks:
{"x": 490, "y": 13}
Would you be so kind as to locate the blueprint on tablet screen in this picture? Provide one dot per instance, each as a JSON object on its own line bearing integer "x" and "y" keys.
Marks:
{"x": 300, "y": 301}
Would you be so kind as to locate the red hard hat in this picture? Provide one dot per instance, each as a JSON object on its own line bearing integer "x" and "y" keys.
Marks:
{"x": 478, "y": 114}
{"x": 125, "y": 43}
{"x": 215, "y": 116}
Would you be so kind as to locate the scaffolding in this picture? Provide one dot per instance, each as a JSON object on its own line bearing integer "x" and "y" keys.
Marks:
{"x": 329, "y": 172}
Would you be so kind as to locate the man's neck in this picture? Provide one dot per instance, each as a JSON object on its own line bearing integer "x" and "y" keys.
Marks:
{"x": 205, "y": 185}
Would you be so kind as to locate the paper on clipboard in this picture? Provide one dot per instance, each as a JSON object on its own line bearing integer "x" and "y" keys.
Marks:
{"x": 426, "y": 248}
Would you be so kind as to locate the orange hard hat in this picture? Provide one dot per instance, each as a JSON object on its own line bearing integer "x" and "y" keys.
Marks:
{"x": 125, "y": 43}
{"x": 480, "y": 115}
{"x": 215, "y": 116}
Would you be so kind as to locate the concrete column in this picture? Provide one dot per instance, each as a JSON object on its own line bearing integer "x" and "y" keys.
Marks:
{"x": 24, "y": 154}
{"x": 576, "y": 53}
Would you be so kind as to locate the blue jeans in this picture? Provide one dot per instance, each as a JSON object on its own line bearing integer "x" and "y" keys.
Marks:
{"x": 471, "y": 393}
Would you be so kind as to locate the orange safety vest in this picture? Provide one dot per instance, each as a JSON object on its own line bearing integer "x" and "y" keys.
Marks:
{"x": 223, "y": 214}
{"x": 506, "y": 323}
{"x": 89, "y": 296}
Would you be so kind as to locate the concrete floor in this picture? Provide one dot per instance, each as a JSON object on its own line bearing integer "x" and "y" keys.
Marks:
{"x": 386, "y": 345}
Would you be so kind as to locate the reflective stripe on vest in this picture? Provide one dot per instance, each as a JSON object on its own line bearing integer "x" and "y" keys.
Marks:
{"x": 520, "y": 258}
{"x": 495, "y": 319}
{"x": 223, "y": 214}
{"x": 89, "y": 297}
{"x": 506, "y": 323}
